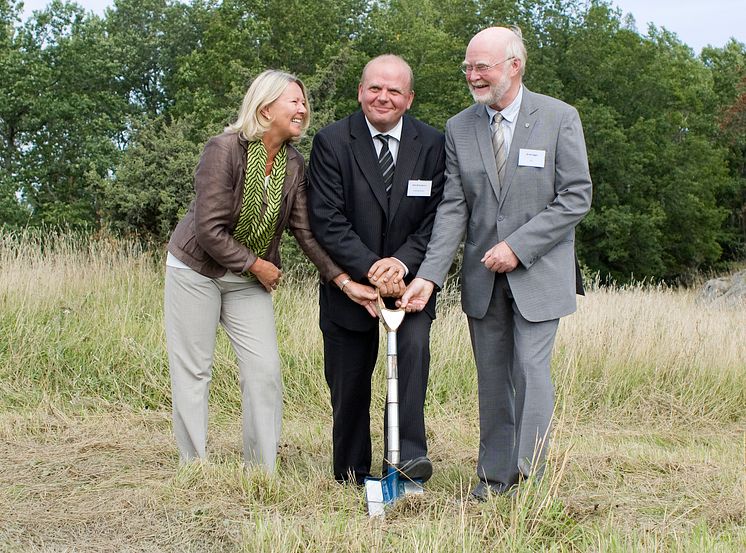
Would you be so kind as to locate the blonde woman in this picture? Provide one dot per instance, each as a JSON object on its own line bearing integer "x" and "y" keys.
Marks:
{"x": 223, "y": 263}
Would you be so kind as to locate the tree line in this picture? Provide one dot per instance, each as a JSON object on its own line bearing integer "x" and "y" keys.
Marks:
{"x": 102, "y": 119}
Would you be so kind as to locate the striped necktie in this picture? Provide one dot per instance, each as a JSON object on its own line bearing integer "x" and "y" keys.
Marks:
{"x": 386, "y": 162}
{"x": 498, "y": 145}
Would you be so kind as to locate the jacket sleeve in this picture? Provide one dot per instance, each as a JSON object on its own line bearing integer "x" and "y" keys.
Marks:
{"x": 213, "y": 208}
{"x": 300, "y": 226}
{"x": 450, "y": 220}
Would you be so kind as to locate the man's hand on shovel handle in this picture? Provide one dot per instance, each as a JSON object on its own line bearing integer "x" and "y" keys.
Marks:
{"x": 417, "y": 295}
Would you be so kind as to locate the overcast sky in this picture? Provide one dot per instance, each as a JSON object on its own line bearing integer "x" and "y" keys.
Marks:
{"x": 696, "y": 22}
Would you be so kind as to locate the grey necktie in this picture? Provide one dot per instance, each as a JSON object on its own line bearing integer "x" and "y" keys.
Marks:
{"x": 386, "y": 162}
{"x": 498, "y": 145}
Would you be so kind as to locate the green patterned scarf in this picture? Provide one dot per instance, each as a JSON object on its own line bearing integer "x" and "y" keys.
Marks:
{"x": 260, "y": 207}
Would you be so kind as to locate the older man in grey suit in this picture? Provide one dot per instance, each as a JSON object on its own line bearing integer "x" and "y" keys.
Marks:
{"x": 517, "y": 184}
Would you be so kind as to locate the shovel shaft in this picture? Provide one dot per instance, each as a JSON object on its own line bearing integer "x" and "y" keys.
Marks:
{"x": 380, "y": 492}
{"x": 392, "y": 400}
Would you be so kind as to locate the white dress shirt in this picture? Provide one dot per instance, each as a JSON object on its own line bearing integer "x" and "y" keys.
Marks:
{"x": 394, "y": 139}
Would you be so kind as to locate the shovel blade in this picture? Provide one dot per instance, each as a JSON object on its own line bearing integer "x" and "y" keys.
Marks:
{"x": 374, "y": 496}
{"x": 382, "y": 492}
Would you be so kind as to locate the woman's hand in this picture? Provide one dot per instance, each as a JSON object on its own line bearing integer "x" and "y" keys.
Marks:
{"x": 267, "y": 273}
{"x": 362, "y": 295}
{"x": 359, "y": 293}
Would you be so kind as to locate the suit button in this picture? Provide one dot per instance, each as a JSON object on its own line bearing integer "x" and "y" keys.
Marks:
{"x": 500, "y": 218}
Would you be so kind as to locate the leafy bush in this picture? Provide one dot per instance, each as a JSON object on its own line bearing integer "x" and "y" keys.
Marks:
{"x": 153, "y": 185}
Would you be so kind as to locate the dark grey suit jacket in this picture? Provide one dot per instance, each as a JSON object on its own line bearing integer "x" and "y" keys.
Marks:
{"x": 351, "y": 216}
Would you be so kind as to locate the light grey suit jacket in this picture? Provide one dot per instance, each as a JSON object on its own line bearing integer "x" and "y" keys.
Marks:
{"x": 535, "y": 211}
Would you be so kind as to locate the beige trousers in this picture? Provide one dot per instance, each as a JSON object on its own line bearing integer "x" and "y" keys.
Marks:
{"x": 194, "y": 305}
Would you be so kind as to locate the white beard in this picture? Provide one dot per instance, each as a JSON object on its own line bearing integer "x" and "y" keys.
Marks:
{"x": 497, "y": 91}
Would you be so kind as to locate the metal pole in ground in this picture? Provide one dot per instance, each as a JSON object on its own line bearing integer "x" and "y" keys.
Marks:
{"x": 380, "y": 492}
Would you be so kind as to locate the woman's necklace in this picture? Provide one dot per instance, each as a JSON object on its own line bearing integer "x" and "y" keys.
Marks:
{"x": 270, "y": 159}
{"x": 270, "y": 162}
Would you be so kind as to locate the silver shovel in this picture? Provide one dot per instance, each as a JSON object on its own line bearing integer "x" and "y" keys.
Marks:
{"x": 381, "y": 492}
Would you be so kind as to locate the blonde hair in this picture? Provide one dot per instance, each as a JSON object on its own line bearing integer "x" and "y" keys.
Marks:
{"x": 269, "y": 85}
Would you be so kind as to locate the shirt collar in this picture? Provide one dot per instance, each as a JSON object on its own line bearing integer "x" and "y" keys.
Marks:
{"x": 393, "y": 133}
{"x": 510, "y": 112}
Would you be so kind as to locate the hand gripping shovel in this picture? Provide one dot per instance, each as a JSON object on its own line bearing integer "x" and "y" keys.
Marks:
{"x": 384, "y": 491}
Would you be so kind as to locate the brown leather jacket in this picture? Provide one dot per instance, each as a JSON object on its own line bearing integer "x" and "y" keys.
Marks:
{"x": 203, "y": 239}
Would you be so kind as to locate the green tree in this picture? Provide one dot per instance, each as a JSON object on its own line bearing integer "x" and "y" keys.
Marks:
{"x": 665, "y": 130}
{"x": 648, "y": 108}
{"x": 153, "y": 185}
{"x": 418, "y": 30}
{"x": 211, "y": 79}
{"x": 11, "y": 212}
{"x": 728, "y": 68}
{"x": 146, "y": 40}
{"x": 61, "y": 115}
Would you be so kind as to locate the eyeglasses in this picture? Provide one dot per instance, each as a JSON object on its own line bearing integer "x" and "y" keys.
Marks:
{"x": 481, "y": 68}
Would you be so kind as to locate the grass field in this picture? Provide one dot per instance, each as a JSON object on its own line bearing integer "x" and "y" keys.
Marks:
{"x": 648, "y": 451}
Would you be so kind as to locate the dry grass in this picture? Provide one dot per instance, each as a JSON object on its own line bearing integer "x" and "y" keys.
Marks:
{"x": 658, "y": 350}
{"x": 648, "y": 449}
{"x": 108, "y": 481}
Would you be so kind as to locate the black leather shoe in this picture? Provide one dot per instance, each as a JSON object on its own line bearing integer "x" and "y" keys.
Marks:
{"x": 483, "y": 491}
{"x": 419, "y": 468}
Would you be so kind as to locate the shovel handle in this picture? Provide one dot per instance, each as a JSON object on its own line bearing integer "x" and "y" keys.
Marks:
{"x": 391, "y": 318}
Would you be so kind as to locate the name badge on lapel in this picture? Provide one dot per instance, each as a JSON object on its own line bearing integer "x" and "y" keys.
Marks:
{"x": 531, "y": 158}
{"x": 419, "y": 188}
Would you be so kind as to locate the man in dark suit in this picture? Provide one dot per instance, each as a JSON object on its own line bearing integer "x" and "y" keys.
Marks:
{"x": 375, "y": 181}
{"x": 518, "y": 184}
